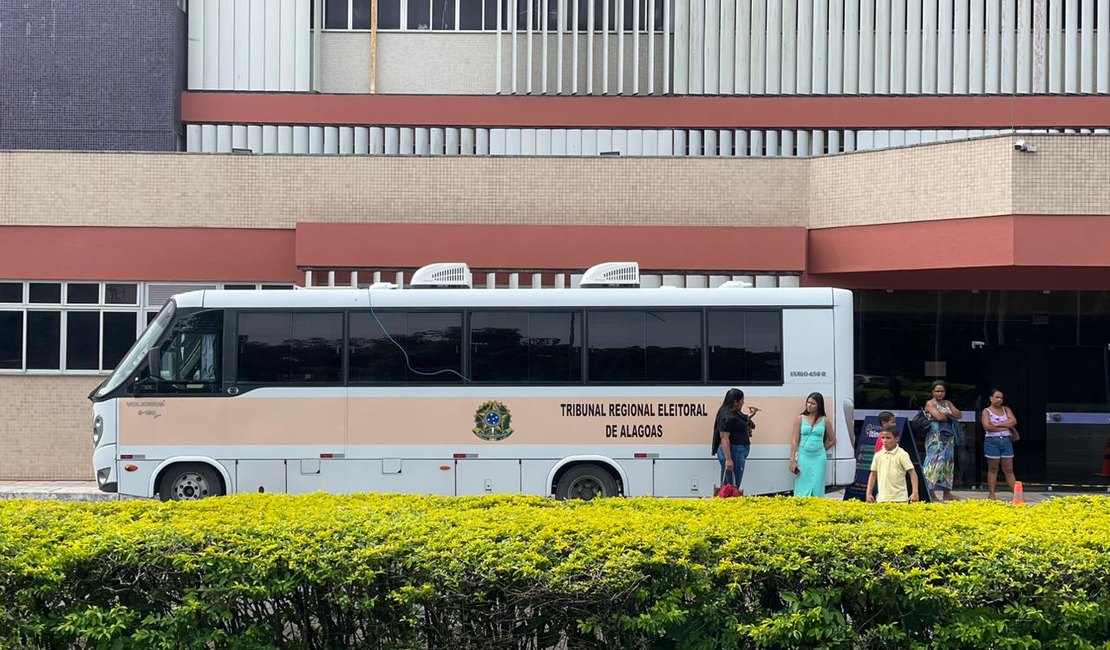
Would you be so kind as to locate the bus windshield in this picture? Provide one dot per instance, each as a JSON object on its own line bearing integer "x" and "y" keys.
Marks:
{"x": 137, "y": 354}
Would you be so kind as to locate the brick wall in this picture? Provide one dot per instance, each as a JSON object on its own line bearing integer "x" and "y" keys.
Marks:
{"x": 94, "y": 74}
{"x": 954, "y": 180}
{"x": 46, "y": 427}
{"x": 279, "y": 191}
{"x": 949, "y": 181}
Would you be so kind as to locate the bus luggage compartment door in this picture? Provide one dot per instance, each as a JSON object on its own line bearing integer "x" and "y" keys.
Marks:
{"x": 473, "y": 476}
{"x": 686, "y": 478}
{"x": 259, "y": 476}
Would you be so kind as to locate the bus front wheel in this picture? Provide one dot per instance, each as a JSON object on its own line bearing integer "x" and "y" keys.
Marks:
{"x": 189, "y": 482}
{"x": 585, "y": 482}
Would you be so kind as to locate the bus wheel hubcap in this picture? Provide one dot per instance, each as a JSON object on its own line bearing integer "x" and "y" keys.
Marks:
{"x": 189, "y": 487}
{"x": 586, "y": 488}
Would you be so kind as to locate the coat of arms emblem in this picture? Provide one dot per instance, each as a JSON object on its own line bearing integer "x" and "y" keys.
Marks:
{"x": 492, "y": 421}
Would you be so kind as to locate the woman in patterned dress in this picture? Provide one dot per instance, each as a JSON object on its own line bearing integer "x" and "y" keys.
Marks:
{"x": 940, "y": 443}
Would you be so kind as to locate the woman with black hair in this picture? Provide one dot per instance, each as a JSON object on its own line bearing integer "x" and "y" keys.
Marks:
{"x": 940, "y": 442}
{"x": 732, "y": 436}
{"x": 813, "y": 436}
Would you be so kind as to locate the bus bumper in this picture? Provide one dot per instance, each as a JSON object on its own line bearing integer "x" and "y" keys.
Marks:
{"x": 104, "y": 464}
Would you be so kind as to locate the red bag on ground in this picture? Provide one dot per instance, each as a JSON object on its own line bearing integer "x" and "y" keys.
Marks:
{"x": 728, "y": 490}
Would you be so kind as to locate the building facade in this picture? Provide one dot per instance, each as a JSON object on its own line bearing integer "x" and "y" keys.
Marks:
{"x": 945, "y": 159}
{"x": 91, "y": 75}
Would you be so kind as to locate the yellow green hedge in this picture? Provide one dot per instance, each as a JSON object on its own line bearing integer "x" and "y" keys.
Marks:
{"x": 387, "y": 571}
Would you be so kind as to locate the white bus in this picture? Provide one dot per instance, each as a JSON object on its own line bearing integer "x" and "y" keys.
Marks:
{"x": 593, "y": 391}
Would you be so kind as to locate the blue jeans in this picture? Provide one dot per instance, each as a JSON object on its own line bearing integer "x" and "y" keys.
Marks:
{"x": 995, "y": 447}
{"x": 739, "y": 458}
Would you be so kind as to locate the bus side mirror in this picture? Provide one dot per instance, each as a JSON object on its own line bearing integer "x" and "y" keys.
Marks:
{"x": 154, "y": 362}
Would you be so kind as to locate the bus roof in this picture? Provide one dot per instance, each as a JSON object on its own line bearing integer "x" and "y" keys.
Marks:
{"x": 464, "y": 298}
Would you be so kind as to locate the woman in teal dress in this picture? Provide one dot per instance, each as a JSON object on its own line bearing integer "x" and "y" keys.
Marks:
{"x": 813, "y": 436}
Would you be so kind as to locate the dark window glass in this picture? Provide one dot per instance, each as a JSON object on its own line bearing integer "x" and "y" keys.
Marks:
{"x": 553, "y": 16}
{"x": 522, "y": 15}
{"x": 335, "y": 14}
{"x": 583, "y": 22}
{"x": 43, "y": 292}
{"x": 673, "y": 346}
{"x": 11, "y": 340}
{"x": 526, "y": 346}
{"x": 118, "y": 336}
{"x": 239, "y": 287}
{"x": 419, "y": 14}
{"x": 191, "y": 358}
{"x": 389, "y": 14}
{"x": 83, "y": 294}
{"x": 433, "y": 341}
{"x": 83, "y": 340}
{"x": 616, "y": 346}
{"x": 629, "y": 14}
{"x": 121, "y": 294}
{"x": 11, "y": 292}
{"x": 282, "y": 347}
{"x": 599, "y": 15}
{"x": 555, "y": 346}
{"x": 443, "y": 14}
{"x": 44, "y": 336}
{"x": 317, "y": 347}
{"x": 645, "y": 346}
{"x": 277, "y": 287}
{"x": 360, "y": 13}
{"x": 470, "y": 14}
{"x": 745, "y": 346}
{"x": 499, "y": 346}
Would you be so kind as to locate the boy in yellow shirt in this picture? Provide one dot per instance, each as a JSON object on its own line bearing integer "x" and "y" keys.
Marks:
{"x": 890, "y": 467}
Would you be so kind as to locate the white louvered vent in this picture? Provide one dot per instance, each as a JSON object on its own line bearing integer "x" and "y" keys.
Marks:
{"x": 612, "y": 274}
{"x": 158, "y": 294}
{"x": 442, "y": 275}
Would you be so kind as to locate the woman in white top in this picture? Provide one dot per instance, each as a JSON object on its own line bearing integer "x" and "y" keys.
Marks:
{"x": 998, "y": 422}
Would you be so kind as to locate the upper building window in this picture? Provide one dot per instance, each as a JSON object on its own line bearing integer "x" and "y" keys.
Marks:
{"x": 484, "y": 15}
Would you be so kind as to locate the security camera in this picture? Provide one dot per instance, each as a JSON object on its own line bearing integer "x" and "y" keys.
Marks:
{"x": 1022, "y": 145}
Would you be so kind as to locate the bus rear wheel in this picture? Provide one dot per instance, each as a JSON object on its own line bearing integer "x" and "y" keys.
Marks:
{"x": 585, "y": 482}
{"x": 189, "y": 482}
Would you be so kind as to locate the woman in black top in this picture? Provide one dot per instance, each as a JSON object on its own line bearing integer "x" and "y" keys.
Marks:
{"x": 732, "y": 436}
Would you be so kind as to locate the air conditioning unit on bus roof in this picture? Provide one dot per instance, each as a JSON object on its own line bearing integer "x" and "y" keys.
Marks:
{"x": 442, "y": 275}
{"x": 612, "y": 274}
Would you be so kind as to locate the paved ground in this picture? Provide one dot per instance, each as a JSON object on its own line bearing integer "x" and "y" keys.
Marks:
{"x": 87, "y": 491}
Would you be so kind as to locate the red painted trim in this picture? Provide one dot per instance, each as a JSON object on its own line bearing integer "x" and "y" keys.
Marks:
{"x": 952, "y": 243}
{"x": 147, "y": 254}
{"x": 1024, "y": 278}
{"x": 1066, "y": 241}
{"x": 1007, "y": 111}
{"x": 542, "y": 248}
{"x": 1019, "y": 252}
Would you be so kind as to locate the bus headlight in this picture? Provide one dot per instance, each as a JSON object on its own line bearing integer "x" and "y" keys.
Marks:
{"x": 98, "y": 429}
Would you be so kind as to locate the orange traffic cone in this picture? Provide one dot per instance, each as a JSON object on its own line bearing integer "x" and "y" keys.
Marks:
{"x": 1105, "y": 473}
{"x": 1019, "y": 493}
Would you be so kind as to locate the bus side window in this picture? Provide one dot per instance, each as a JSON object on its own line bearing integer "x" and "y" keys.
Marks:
{"x": 745, "y": 346}
{"x": 191, "y": 358}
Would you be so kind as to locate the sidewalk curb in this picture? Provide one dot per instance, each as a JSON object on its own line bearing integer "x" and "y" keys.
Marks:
{"x": 80, "y": 492}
